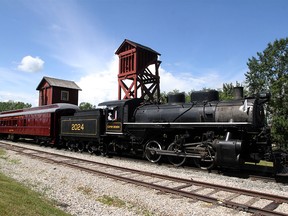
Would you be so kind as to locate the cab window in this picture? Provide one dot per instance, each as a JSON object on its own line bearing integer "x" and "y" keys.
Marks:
{"x": 112, "y": 114}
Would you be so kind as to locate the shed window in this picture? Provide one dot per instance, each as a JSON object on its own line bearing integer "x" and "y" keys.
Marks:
{"x": 64, "y": 95}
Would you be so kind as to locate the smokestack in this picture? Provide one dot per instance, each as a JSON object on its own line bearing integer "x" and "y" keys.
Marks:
{"x": 238, "y": 93}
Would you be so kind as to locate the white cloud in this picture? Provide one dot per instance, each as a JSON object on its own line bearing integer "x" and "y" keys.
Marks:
{"x": 72, "y": 38}
{"x": 208, "y": 78}
{"x": 187, "y": 82}
{"x": 78, "y": 43}
{"x": 31, "y": 64}
{"x": 26, "y": 97}
{"x": 21, "y": 88}
{"x": 100, "y": 86}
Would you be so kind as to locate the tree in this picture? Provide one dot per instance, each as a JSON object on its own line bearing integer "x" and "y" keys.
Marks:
{"x": 163, "y": 97}
{"x": 13, "y": 105}
{"x": 227, "y": 92}
{"x": 269, "y": 72}
{"x": 86, "y": 106}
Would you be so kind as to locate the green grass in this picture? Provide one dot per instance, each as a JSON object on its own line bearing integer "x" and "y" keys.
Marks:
{"x": 261, "y": 163}
{"x": 16, "y": 199}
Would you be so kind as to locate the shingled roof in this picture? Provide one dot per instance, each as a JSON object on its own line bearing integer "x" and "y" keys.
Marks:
{"x": 134, "y": 44}
{"x": 58, "y": 83}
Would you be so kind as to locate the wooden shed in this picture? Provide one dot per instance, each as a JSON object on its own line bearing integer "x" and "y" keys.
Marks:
{"x": 52, "y": 90}
{"x": 136, "y": 77}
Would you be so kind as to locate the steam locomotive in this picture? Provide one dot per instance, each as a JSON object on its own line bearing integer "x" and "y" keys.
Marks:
{"x": 206, "y": 130}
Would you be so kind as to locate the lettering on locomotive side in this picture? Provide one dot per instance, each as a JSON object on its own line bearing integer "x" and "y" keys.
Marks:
{"x": 80, "y": 127}
{"x": 77, "y": 127}
{"x": 113, "y": 126}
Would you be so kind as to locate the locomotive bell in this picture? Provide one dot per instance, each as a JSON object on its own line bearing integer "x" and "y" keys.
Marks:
{"x": 238, "y": 93}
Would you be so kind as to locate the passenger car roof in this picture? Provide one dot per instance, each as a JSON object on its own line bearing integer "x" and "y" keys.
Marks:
{"x": 38, "y": 110}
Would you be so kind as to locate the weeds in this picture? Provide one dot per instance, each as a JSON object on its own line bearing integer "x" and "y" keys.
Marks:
{"x": 111, "y": 201}
{"x": 85, "y": 190}
{"x": 117, "y": 202}
{"x": 4, "y": 156}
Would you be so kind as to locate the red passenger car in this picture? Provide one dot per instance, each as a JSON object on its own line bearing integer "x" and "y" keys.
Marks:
{"x": 40, "y": 123}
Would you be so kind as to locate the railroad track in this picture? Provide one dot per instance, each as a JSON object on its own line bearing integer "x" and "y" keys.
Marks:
{"x": 235, "y": 198}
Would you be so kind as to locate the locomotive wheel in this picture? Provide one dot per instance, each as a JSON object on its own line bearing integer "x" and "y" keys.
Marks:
{"x": 176, "y": 160}
{"x": 90, "y": 148}
{"x": 70, "y": 146}
{"x": 80, "y": 147}
{"x": 93, "y": 148}
{"x": 150, "y": 152}
{"x": 208, "y": 161}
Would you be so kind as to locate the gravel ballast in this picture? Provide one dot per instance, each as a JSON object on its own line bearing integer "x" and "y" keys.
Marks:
{"x": 81, "y": 193}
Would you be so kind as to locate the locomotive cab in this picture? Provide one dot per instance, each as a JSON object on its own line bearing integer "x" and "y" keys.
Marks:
{"x": 117, "y": 113}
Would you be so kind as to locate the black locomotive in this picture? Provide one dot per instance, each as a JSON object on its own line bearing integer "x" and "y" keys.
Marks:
{"x": 206, "y": 130}
{"x": 209, "y": 131}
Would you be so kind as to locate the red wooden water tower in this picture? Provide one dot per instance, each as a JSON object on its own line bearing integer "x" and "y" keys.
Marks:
{"x": 138, "y": 72}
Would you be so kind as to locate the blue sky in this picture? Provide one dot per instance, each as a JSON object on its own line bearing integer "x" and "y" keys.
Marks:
{"x": 203, "y": 43}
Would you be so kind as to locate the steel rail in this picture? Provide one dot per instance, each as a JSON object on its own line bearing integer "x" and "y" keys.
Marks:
{"x": 268, "y": 210}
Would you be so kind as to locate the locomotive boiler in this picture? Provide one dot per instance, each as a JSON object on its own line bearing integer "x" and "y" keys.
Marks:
{"x": 209, "y": 131}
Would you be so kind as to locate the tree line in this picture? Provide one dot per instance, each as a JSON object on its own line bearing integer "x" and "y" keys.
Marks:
{"x": 13, "y": 105}
{"x": 225, "y": 93}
